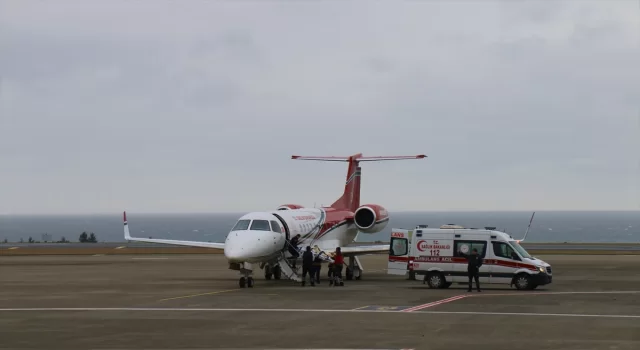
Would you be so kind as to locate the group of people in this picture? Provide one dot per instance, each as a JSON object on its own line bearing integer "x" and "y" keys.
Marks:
{"x": 311, "y": 266}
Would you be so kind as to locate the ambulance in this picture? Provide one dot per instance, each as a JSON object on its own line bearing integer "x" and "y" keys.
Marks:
{"x": 438, "y": 254}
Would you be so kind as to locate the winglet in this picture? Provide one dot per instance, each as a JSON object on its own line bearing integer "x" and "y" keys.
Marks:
{"x": 127, "y": 236}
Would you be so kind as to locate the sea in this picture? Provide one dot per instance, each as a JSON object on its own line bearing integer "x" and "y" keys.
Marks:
{"x": 550, "y": 226}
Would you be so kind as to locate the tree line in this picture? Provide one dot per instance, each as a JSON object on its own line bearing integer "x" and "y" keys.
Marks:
{"x": 84, "y": 238}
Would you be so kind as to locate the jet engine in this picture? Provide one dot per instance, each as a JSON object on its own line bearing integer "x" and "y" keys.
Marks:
{"x": 371, "y": 218}
{"x": 290, "y": 207}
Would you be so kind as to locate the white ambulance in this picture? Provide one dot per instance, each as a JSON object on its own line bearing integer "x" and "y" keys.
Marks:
{"x": 438, "y": 254}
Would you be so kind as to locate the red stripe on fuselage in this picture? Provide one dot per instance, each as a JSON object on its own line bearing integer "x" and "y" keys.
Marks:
{"x": 332, "y": 218}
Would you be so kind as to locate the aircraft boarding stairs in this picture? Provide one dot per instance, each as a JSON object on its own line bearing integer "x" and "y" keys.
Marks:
{"x": 286, "y": 264}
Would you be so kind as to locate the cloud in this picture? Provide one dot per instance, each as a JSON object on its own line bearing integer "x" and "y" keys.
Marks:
{"x": 197, "y": 106}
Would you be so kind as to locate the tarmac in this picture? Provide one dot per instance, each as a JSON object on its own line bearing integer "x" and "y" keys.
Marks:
{"x": 193, "y": 302}
{"x": 119, "y": 248}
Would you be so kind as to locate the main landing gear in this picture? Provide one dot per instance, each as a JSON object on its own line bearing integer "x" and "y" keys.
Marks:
{"x": 274, "y": 271}
{"x": 354, "y": 269}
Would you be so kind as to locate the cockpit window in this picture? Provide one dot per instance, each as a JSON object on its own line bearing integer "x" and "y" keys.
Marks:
{"x": 241, "y": 225}
{"x": 275, "y": 227}
{"x": 260, "y": 225}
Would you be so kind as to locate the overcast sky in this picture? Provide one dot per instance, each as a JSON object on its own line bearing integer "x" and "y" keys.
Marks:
{"x": 194, "y": 106}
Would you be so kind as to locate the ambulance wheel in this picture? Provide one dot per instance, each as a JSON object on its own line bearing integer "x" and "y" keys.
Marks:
{"x": 250, "y": 282}
{"x": 522, "y": 281}
{"x": 435, "y": 280}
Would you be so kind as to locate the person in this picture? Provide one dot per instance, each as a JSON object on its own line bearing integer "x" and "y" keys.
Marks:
{"x": 338, "y": 263}
{"x": 474, "y": 261}
{"x": 307, "y": 266}
{"x": 317, "y": 265}
{"x": 293, "y": 249}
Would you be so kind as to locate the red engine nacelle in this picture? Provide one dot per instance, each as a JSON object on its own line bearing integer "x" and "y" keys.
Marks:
{"x": 371, "y": 218}
{"x": 290, "y": 207}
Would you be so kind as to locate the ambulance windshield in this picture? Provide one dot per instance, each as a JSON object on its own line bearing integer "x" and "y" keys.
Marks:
{"x": 519, "y": 249}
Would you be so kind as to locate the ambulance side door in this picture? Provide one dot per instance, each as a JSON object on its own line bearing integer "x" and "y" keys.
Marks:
{"x": 398, "y": 254}
{"x": 505, "y": 262}
{"x": 462, "y": 247}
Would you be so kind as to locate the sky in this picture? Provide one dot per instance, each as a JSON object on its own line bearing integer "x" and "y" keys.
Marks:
{"x": 197, "y": 106}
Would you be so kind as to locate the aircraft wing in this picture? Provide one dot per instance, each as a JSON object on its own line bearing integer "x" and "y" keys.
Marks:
{"x": 365, "y": 249}
{"x": 128, "y": 237}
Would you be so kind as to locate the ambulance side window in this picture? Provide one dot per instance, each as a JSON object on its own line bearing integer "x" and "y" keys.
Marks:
{"x": 464, "y": 248}
{"x": 504, "y": 250}
{"x": 398, "y": 246}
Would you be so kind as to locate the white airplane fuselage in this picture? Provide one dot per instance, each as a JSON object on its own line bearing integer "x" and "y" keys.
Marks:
{"x": 260, "y": 236}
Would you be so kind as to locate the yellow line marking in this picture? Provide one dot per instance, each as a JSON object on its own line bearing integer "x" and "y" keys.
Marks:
{"x": 121, "y": 247}
{"x": 197, "y": 295}
{"x": 13, "y": 248}
{"x": 362, "y": 307}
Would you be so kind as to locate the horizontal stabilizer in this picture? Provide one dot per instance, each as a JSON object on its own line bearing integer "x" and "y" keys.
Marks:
{"x": 357, "y": 157}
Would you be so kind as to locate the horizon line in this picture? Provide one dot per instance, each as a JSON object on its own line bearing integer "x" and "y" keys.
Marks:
{"x": 119, "y": 213}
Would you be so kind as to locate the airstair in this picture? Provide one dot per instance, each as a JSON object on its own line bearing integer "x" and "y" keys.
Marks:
{"x": 285, "y": 262}
{"x": 287, "y": 270}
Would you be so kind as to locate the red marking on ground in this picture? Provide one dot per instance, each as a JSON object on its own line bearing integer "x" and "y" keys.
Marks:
{"x": 434, "y": 303}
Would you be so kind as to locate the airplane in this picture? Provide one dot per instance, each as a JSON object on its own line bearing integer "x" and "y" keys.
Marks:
{"x": 262, "y": 237}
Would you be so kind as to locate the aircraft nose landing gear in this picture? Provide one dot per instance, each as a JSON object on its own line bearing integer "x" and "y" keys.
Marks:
{"x": 246, "y": 280}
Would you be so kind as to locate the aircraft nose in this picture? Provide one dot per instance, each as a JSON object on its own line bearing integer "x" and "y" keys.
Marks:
{"x": 251, "y": 246}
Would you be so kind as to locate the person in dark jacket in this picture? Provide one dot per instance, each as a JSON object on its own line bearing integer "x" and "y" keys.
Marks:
{"x": 474, "y": 261}
{"x": 338, "y": 264}
{"x": 307, "y": 266}
{"x": 292, "y": 246}
{"x": 317, "y": 265}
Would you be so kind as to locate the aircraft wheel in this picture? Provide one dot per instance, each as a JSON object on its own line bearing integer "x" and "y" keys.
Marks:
{"x": 250, "y": 282}
{"x": 349, "y": 274}
{"x": 267, "y": 276}
{"x": 242, "y": 282}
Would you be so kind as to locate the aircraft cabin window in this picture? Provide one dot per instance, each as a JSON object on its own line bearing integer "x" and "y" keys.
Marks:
{"x": 260, "y": 225}
{"x": 241, "y": 225}
{"x": 275, "y": 227}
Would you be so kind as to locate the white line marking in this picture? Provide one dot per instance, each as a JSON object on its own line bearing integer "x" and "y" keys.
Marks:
{"x": 558, "y": 293}
{"x": 434, "y": 303}
{"x": 320, "y": 310}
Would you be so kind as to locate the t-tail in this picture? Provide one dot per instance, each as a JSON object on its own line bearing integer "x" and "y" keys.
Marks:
{"x": 350, "y": 199}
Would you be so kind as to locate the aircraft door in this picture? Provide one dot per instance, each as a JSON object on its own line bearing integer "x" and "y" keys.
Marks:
{"x": 284, "y": 224}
